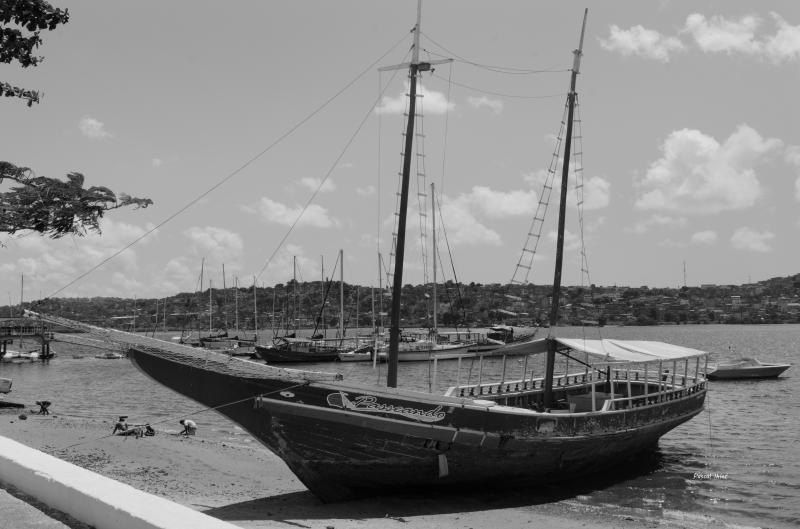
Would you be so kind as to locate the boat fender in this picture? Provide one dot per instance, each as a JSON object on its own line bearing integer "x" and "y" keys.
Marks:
{"x": 444, "y": 471}
{"x": 546, "y": 425}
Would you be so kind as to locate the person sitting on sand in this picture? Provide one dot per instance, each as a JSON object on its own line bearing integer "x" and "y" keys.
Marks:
{"x": 189, "y": 427}
{"x": 121, "y": 425}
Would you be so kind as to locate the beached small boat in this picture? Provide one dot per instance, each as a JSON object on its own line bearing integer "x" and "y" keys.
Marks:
{"x": 746, "y": 368}
{"x": 20, "y": 356}
{"x": 5, "y": 387}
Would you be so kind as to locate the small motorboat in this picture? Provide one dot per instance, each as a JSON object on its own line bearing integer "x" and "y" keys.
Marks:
{"x": 746, "y": 368}
{"x": 109, "y": 356}
{"x": 362, "y": 354}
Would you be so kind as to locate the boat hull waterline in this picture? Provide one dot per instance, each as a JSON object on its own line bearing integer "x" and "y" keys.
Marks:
{"x": 344, "y": 441}
{"x": 748, "y": 372}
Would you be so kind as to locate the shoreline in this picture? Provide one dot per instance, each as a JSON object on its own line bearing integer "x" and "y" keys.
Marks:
{"x": 249, "y": 486}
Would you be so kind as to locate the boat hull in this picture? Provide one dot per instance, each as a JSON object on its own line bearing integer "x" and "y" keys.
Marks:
{"x": 278, "y": 355}
{"x": 749, "y": 372}
{"x": 344, "y": 441}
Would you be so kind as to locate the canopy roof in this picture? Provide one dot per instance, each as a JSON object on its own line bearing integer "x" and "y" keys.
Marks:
{"x": 630, "y": 351}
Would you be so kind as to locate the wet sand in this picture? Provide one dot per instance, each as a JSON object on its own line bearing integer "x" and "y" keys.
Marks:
{"x": 249, "y": 486}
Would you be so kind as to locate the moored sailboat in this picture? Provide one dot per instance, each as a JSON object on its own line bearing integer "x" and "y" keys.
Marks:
{"x": 344, "y": 439}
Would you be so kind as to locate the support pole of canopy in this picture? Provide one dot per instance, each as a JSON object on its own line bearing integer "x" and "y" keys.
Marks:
{"x": 562, "y": 210}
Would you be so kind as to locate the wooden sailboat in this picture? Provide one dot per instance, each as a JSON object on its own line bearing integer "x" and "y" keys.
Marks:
{"x": 345, "y": 439}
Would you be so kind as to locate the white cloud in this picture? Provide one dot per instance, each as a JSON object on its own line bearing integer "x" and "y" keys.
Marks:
{"x": 495, "y": 105}
{"x": 366, "y": 191}
{"x": 749, "y": 239}
{"x": 572, "y": 241}
{"x": 643, "y": 42}
{"x": 314, "y": 183}
{"x": 499, "y": 204}
{"x": 720, "y": 35}
{"x": 657, "y": 220}
{"x": 218, "y": 244}
{"x": 704, "y": 237}
{"x": 94, "y": 129}
{"x": 785, "y": 44}
{"x": 792, "y": 156}
{"x": 596, "y": 190}
{"x": 431, "y": 102}
{"x": 157, "y": 162}
{"x": 596, "y": 193}
{"x": 463, "y": 227}
{"x": 698, "y": 175}
{"x": 51, "y": 264}
{"x": 669, "y": 243}
{"x": 315, "y": 215}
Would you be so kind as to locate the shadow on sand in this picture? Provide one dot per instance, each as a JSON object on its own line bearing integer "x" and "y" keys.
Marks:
{"x": 305, "y": 506}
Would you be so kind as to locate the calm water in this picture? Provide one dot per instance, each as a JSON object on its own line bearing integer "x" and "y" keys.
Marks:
{"x": 737, "y": 462}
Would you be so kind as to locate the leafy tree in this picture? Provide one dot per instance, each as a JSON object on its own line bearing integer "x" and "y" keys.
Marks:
{"x": 18, "y": 43}
{"x": 45, "y": 205}
{"x": 54, "y": 207}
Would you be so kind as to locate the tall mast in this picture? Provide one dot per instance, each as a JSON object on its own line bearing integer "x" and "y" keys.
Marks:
{"x": 255, "y": 310}
{"x": 341, "y": 295}
{"x": 414, "y": 67}
{"x": 224, "y": 297}
{"x": 433, "y": 240}
{"x": 380, "y": 295}
{"x": 562, "y": 210}
{"x": 236, "y": 302}
{"x": 295, "y": 312}
{"x": 322, "y": 295}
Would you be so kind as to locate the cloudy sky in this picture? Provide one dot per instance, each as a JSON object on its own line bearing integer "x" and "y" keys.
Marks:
{"x": 235, "y": 118}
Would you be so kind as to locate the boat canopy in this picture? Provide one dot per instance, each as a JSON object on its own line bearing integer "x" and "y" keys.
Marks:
{"x": 630, "y": 351}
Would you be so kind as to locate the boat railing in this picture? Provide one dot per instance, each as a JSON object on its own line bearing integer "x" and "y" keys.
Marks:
{"x": 509, "y": 387}
{"x": 669, "y": 386}
{"x": 619, "y": 388}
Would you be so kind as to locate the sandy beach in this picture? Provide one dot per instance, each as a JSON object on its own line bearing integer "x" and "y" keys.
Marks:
{"x": 248, "y": 486}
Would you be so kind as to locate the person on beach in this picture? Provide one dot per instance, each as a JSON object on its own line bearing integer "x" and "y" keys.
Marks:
{"x": 43, "y": 405}
{"x": 121, "y": 425}
{"x": 189, "y": 427}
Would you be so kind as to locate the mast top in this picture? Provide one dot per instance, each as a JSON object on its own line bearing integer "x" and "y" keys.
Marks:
{"x": 576, "y": 65}
{"x": 415, "y": 51}
{"x": 420, "y": 66}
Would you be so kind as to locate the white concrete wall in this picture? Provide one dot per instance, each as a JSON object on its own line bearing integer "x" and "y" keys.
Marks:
{"x": 92, "y": 498}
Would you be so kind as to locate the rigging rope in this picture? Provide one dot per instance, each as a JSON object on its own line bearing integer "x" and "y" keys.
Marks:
{"x": 234, "y": 173}
{"x": 510, "y": 70}
{"x": 499, "y": 94}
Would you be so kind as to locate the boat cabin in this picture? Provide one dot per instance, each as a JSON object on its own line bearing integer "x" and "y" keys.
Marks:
{"x": 593, "y": 375}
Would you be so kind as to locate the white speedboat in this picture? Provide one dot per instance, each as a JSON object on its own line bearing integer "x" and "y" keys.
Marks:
{"x": 746, "y": 368}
